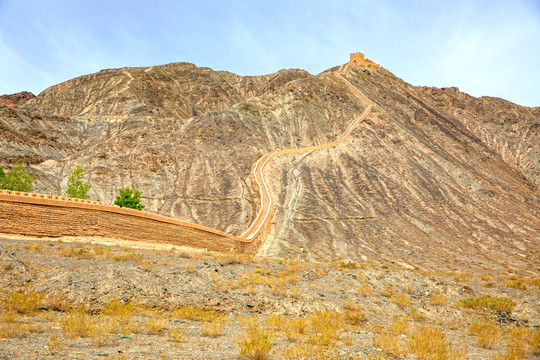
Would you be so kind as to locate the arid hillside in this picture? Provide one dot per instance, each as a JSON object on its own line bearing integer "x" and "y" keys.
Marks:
{"x": 61, "y": 300}
{"x": 433, "y": 178}
{"x": 17, "y": 99}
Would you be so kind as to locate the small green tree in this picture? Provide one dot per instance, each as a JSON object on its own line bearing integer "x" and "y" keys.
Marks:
{"x": 17, "y": 180}
{"x": 77, "y": 187}
{"x": 129, "y": 198}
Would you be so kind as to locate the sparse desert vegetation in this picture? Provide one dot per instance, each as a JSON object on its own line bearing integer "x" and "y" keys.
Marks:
{"x": 59, "y": 299}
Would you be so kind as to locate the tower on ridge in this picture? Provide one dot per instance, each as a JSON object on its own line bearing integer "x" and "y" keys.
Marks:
{"x": 358, "y": 58}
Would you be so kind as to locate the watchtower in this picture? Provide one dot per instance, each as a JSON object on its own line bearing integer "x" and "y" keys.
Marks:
{"x": 357, "y": 58}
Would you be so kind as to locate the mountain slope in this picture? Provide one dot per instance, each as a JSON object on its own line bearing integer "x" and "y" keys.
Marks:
{"x": 414, "y": 187}
{"x": 428, "y": 180}
{"x": 178, "y": 90}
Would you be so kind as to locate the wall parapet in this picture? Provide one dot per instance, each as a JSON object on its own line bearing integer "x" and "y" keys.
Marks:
{"x": 48, "y": 215}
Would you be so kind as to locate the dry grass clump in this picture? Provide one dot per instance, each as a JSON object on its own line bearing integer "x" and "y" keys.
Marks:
{"x": 487, "y": 302}
{"x": 99, "y": 252}
{"x": 355, "y": 317}
{"x": 177, "y": 334}
{"x": 18, "y": 329}
{"x": 517, "y": 284}
{"x": 388, "y": 339}
{"x": 115, "y": 307}
{"x": 438, "y": 300}
{"x": 256, "y": 341}
{"x": 520, "y": 344}
{"x": 77, "y": 324}
{"x": 121, "y": 314}
{"x": 55, "y": 344}
{"x": 399, "y": 326}
{"x": 101, "y": 330}
{"x": 15, "y": 308}
{"x": 297, "y": 351}
{"x": 195, "y": 314}
{"x": 350, "y": 265}
{"x": 522, "y": 283}
{"x": 57, "y": 303}
{"x": 487, "y": 335}
{"x": 284, "y": 292}
{"x": 293, "y": 267}
{"x": 327, "y": 327}
{"x": 212, "y": 329}
{"x": 389, "y": 344}
{"x": 294, "y": 329}
{"x": 234, "y": 259}
{"x": 155, "y": 325}
{"x": 401, "y": 299}
{"x": 24, "y": 301}
{"x": 86, "y": 252}
{"x": 429, "y": 343}
{"x": 131, "y": 256}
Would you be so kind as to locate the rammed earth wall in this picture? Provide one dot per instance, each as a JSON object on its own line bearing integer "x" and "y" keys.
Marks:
{"x": 47, "y": 215}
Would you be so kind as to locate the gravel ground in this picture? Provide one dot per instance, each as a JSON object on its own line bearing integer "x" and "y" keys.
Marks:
{"x": 157, "y": 303}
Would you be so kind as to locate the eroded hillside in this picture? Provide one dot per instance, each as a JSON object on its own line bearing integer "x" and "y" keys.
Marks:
{"x": 433, "y": 178}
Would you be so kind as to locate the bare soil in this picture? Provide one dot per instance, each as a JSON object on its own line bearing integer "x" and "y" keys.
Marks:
{"x": 367, "y": 308}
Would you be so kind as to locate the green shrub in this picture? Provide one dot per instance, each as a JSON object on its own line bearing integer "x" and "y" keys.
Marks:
{"x": 17, "y": 180}
{"x": 129, "y": 198}
{"x": 77, "y": 187}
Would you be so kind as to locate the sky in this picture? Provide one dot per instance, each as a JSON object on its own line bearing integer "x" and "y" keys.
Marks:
{"x": 484, "y": 47}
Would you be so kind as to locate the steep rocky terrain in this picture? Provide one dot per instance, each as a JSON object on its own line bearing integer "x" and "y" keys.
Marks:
{"x": 434, "y": 178}
{"x": 17, "y": 99}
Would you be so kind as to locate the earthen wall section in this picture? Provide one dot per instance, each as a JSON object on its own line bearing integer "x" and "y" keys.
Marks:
{"x": 46, "y": 215}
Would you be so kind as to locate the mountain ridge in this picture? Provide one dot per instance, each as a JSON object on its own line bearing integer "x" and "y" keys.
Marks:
{"x": 419, "y": 143}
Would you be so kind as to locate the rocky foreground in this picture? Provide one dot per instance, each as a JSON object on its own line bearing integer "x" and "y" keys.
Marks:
{"x": 79, "y": 300}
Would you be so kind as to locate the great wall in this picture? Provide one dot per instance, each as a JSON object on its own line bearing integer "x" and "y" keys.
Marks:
{"x": 54, "y": 216}
{"x": 32, "y": 214}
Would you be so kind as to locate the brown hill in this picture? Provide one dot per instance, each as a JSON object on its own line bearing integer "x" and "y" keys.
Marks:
{"x": 434, "y": 178}
{"x": 178, "y": 90}
{"x": 17, "y": 99}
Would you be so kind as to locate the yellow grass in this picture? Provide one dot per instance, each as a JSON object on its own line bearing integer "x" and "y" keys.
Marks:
{"x": 388, "y": 343}
{"x": 429, "y": 343}
{"x": 195, "y": 314}
{"x": 155, "y": 325}
{"x": 24, "y": 301}
{"x": 487, "y": 335}
{"x": 520, "y": 344}
{"x": 256, "y": 341}
{"x": 18, "y": 329}
{"x": 399, "y": 326}
{"x": 55, "y": 344}
{"x": 212, "y": 329}
{"x": 77, "y": 324}
{"x": 327, "y": 327}
{"x": 438, "y": 300}
{"x": 401, "y": 299}
{"x": 177, "y": 334}
{"x": 101, "y": 330}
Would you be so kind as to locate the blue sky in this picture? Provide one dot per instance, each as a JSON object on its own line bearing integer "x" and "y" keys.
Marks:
{"x": 484, "y": 47}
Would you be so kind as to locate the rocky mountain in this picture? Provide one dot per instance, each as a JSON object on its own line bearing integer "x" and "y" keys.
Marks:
{"x": 434, "y": 178}
{"x": 17, "y": 99}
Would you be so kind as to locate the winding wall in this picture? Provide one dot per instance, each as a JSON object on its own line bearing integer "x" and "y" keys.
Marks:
{"x": 46, "y": 215}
